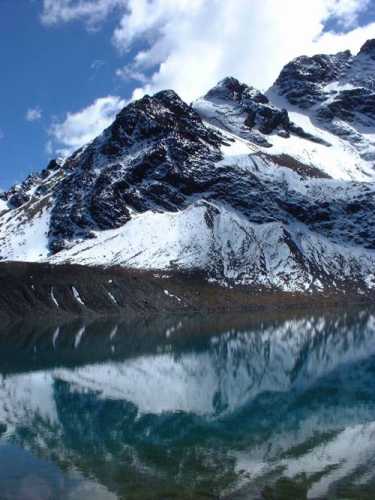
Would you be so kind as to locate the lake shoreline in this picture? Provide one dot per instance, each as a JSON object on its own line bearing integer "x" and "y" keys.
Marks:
{"x": 38, "y": 290}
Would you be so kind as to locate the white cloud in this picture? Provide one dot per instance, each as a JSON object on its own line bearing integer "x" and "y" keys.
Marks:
{"x": 48, "y": 148}
{"x": 83, "y": 126}
{"x": 189, "y": 45}
{"x": 129, "y": 73}
{"x": 92, "y": 11}
{"x": 196, "y": 43}
{"x": 331, "y": 42}
{"x": 33, "y": 114}
{"x": 347, "y": 11}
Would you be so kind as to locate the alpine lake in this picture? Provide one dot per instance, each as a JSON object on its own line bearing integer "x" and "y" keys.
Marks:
{"x": 267, "y": 407}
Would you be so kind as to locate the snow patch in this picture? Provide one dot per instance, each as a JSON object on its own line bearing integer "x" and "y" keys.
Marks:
{"x": 77, "y": 296}
{"x": 113, "y": 298}
{"x": 54, "y": 298}
{"x": 22, "y": 238}
{"x": 78, "y": 337}
{"x": 169, "y": 294}
{"x": 55, "y": 337}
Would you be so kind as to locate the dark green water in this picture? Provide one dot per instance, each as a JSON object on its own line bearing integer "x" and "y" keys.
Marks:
{"x": 190, "y": 408}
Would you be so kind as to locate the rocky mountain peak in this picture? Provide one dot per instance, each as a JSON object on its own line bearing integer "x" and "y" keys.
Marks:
{"x": 301, "y": 80}
{"x": 338, "y": 90}
{"x": 33, "y": 186}
{"x": 321, "y": 68}
{"x": 149, "y": 158}
{"x": 245, "y": 111}
{"x": 163, "y": 116}
{"x": 231, "y": 89}
{"x": 368, "y": 48}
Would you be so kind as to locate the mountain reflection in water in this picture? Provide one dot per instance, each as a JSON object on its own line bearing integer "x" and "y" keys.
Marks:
{"x": 189, "y": 407}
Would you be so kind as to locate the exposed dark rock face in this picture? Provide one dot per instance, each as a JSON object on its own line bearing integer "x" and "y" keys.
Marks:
{"x": 167, "y": 175}
{"x": 338, "y": 91}
{"x": 368, "y": 49}
{"x": 301, "y": 80}
{"x": 18, "y": 198}
{"x": 256, "y": 116}
{"x": 35, "y": 185}
{"x": 155, "y": 156}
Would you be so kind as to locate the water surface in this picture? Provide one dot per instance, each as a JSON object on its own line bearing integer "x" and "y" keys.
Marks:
{"x": 190, "y": 408}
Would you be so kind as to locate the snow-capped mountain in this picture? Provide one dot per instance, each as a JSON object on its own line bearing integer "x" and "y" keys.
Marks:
{"x": 273, "y": 189}
{"x": 338, "y": 93}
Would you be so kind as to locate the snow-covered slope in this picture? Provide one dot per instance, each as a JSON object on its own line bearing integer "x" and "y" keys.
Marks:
{"x": 229, "y": 104}
{"x": 250, "y": 188}
{"x": 229, "y": 249}
{"x": 3, "y": 205}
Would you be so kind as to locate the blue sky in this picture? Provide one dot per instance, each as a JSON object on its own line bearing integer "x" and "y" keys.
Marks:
{"x": 56, "y": 69}
{"x": 69, "y": 65}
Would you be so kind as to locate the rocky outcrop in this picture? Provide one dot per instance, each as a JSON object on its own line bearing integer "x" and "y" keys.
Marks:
{"x": 338, "y": 91}
{"x": 154, "y": 156}
{"x": 248, "y": 113}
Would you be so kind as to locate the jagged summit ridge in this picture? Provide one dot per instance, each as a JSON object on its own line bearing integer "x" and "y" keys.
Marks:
{"x": 368, "y": 48}
{"x": 247, "y": 113}
{"x": 301, "y": 80}
{"x": 338, "y": 91}
{"x": 150, "y": 158}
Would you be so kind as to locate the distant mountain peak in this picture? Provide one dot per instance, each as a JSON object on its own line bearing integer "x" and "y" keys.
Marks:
{"x": 247, "y": 112}
{"x": 338, "y": 92}
{"x": 232, "y": 89}
{"x": 368, "y": 48}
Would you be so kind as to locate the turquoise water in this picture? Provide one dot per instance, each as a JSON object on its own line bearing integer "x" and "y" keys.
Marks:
{"x": 190, "y": 408}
